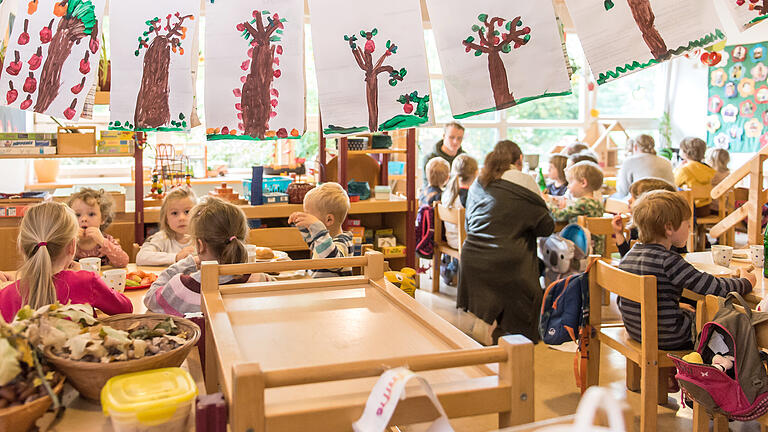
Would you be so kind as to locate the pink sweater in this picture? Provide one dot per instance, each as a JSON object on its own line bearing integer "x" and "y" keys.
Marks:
{"x": 81, "y": 287}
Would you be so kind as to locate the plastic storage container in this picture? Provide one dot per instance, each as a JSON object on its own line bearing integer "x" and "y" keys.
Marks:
{"x": 381, "y": 193}
{"x": 158, "y": 400}
{"x": 270, "y": 184}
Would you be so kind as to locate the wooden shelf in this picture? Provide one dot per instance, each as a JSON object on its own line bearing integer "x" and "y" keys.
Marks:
{"x": 102, "y": 98}
{"x": 377, "y": 151}
{"x": 62, "y": 156}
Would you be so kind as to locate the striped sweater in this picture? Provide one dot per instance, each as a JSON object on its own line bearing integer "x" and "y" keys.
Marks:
{"x": 673, "y": 273}
{"x": 323, "y": 245}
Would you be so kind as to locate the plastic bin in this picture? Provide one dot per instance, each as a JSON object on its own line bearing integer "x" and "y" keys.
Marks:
{"x": 158, "y": 400}
{"x": 270, "y": 184}
{"x": 396, "y": 168}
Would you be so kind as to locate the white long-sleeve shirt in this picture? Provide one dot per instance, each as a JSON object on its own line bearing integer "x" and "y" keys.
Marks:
{"x": 159, "y": 250}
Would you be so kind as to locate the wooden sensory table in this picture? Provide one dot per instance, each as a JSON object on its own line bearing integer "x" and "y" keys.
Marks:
{"x": 304, "y": 355}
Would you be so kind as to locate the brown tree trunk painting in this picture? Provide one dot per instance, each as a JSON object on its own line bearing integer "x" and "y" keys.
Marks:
{"x": 643, "y": 14}
{"x": 152, "y": 110}
{"x": 492, "y": 42}
{"x": 364, "y": 59}
{"x": 761, "y": 6}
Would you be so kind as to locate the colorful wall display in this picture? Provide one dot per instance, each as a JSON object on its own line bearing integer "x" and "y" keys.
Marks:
{"x": 624, "y": 36}
{"x": 506, "y": 40}
{"x": 746, "y": 13}
{"x": 52, "y": 56}
{"x": 371, "y": 65}
{"x": 254, "y": 80}
{"x": 738, "y": 99}
{"x": 152, "y": 44}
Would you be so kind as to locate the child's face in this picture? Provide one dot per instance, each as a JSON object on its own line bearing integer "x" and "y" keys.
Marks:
{"x": 178, "y": 215}
{"x": 87, "y": 215}
{"x": 552, "y": 173}
{"x": 679, "y": 236}
{"x": 578, "y": 188}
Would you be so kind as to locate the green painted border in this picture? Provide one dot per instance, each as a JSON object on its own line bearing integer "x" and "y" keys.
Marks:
{"x": 758, "y": 19}
{"x": 331, "y": 129}
{"x": 709, "y": 39}
{"x": 520, "y": 101}
{"x": 403, "y": 122}
{"x": 160, "y": 129}
{"x": 221, "y": 137}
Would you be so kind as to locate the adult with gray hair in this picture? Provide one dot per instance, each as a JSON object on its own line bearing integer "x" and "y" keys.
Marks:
{"x": 643, "y": 164}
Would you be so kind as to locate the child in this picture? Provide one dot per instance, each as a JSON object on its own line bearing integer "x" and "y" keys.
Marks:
{"x": 636, "y": 190}
{"x": 584, "y": 179}
{"x": 95, "y": 210}
{"x": 463, "y": 173}
{"x": 325, "y": 208}
{"x": 556, "y": 173}
{"x": 662, "y": 219}
{"x": 47, "y": 241}
{"x": 438, "y": 171}
{"x": 171, "y": 243}
{"x": 694, "y": 172}
{"x": 218, "y": 230}
{"x": 574, "y": 147}
{"x": 585, "y": 155}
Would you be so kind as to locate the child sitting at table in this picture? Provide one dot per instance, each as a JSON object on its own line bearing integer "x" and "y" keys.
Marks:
{"x": 695, "y": 172}
{"x": 463, "y": 173}
{"x": 584, "y": 179}
{"x": 172, "y": 243}
{"x": 218, "y": 230}
{"x": 438, "y": 170}
{"x": 558, "y": 185}
{"x": 47, "y": 241}
{"x": 662, "y": 219}
{"x": 95, "y": 210}
{"x": 636, "y": 190}
{"x": 325, "y": 208}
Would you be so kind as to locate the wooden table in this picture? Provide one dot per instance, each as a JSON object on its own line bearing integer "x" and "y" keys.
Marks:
{"x": 761, "y": 288}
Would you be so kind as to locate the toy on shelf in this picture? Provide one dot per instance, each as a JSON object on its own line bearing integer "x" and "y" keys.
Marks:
{"x": 157, "y": 187}
{"x": 227, "y": 194}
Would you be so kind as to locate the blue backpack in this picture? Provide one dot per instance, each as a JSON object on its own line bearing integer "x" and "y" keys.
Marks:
{"x": 564, "y": 309}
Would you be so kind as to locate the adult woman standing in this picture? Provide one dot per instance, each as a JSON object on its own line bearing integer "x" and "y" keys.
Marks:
{"x": 499, "y": 278}
{"x": 643, "y": 163}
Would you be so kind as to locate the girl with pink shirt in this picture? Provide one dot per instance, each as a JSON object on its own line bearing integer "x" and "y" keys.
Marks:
{"x": 95, "y": 210}
{"x": 47, "y": 241}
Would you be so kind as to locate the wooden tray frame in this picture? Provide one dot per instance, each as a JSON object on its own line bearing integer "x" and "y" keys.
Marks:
{"x": 508, "y": 392}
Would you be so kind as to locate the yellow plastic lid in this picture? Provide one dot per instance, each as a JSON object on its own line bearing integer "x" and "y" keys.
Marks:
{"x": 152, "y": 395}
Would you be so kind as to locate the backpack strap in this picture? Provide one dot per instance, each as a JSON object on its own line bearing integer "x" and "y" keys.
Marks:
{"x": 585, "y": 333}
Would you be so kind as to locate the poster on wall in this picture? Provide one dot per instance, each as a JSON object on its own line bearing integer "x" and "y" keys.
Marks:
{"x": 738, "y": 99}
{"x": 52, "y": 56}
{"x": 620, "y": 37}
{"x": 746, "y": 13}
{"x": 151, "y": 46}
{"x": 371, "y": 65}
{"x": 254, "y": 80}
{"x": 512, "y": 53}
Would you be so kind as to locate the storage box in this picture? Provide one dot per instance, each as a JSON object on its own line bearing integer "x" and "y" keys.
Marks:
{"x": 357, "y": 231}
{"x": 275, "y": 198}
{"x": 351, "y": 222}
{"x": 385, "y": 241}
{"x": 393, "y": 250}
{"x": 269, "y": 184}
{"x": 382, "y": 192}
{"x": 159, "y": 399}
{"x": 396, "y": 168}
{"x": 77, "y": 140}
{"x": 357, "y": 143}
{"x": 115, "y": 147}
{"x": 115, "y": 134}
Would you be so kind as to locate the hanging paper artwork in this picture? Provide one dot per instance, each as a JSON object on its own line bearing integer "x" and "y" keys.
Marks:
{"x": 512, "y": 53}
{"x": 620, "y": 37}
{"x": 152, "y": 50}
{"x": 51, "y": 56}
{"x": 371, "y": 66}
{"x": 254, "y": 85}
{"x": 746, "y": 13}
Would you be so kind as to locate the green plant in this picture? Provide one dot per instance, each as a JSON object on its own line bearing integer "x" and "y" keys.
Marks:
{"x": 665, "y": 130}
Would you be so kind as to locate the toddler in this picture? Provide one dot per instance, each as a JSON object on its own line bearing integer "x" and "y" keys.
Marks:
{"x": 438, "y": 170}
{"x": 172, "y": 243}
{"x": 47, "y": 241}
{"x": 95, "y": 210}
{"x": 463, "y": 173}
{"x": 325, "y": 208}
{"x": 719, "y": 159}
{"x": 584, "y": 179}
{"x": 694, "y": 172}
{"x": 559, "y": 184}
{"x": 218, "y": 229}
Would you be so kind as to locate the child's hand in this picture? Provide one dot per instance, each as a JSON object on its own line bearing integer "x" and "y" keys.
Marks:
{"x": 81, "y": 233}
{"x": 5, "y": 277}
{"x": 187, "y": 251}
{"x": 95, "y": 234}
{"x": 302, "y": 220}
{"x": 618, "y": 225}
{"x": 687, "y": 307}
{"x": 746, "y": 273}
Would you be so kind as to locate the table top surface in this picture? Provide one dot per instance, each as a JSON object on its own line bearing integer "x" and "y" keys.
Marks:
{"x": 761, "y": 288}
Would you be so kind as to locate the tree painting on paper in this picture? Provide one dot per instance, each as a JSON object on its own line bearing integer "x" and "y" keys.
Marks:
{"x": 152, "y": 107}
{"x": 643, "y": 14}
{"x": 492, "y": 42}
{"x": 364, "y": 58}
{"x": 759, "y": 6}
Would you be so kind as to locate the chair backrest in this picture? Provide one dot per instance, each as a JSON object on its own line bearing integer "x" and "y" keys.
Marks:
{"x": 134, "y": 251}
{"x": 687, "y": 195}
{"x": 454, "y": 215}
{"x": 601, "y": 226}
{"x": 284, "y": 239}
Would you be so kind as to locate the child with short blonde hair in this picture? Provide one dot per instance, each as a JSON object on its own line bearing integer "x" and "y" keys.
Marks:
{"x": 559, "y": 183}
{"x": 219, "y": 230}
{"x": 47, "y": 241}
{"x": 325, "y": 208}
{"x": 438, "y": 171}
{"x": 719, "y": 159}
{"x": 693, "y": 171}
{"x": 172, "y": 243}
{"x": 584, "y": 179}
{"x": 95, "y": 210}
{"x": 662, "y": 218}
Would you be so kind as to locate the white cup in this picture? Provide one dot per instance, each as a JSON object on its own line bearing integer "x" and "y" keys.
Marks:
{"x": 91, "y": 264}
{"x": 721, "y": 255}
{"x": 757, "y": 254}
{"x": 115, "y": 279}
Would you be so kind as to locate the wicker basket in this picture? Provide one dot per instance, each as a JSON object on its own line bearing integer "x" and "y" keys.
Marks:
{"x": 88, "y": 378}
{"x": 21, "y": 418}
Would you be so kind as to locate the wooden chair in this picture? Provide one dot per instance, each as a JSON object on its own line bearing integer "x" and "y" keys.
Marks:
{"x": 647, "y": 365}
{"x": 602, "y": 226}
{"x": 134, "y": 251}
{"x": 283, "y": 239}
{"x": 698, "y": 229}
{"x": 450, "y": 215}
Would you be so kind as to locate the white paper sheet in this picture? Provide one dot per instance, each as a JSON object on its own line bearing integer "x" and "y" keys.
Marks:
{"x": 347, "y": 104}
{"x": 45, "y": 70}
{"x": 141, "y": 97}
{"x": 615, "y": 46}
{"x": 276, "y": 108}
{"x": 533, "y": 69}
{"x": 746, "y": 13}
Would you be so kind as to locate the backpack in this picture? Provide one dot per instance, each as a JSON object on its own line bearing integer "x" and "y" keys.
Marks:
{"x": 565, "y": 253}
{"x": 425, "y": 231}
{"x": 741, "y": 392}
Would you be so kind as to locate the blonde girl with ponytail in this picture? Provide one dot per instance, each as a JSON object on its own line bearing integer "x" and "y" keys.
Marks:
{"x": 47, "y": 241}
{"x": 219, "y": 230}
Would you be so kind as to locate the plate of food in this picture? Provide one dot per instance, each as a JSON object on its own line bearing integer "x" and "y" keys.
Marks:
{"x": 741, "y": 255}
{"x": 265, "y": 254}
{"x": 139, "y": 279}
{"x": 713, "y": 269}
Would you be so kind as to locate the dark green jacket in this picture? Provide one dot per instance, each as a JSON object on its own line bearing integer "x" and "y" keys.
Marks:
{"x": 438, "y": 151}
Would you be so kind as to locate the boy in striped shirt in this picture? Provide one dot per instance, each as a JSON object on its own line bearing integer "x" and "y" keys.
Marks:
{"x": 325, "y": 208}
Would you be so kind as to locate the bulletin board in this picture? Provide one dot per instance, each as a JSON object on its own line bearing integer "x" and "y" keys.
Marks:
{"x": 737, "y": 108}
